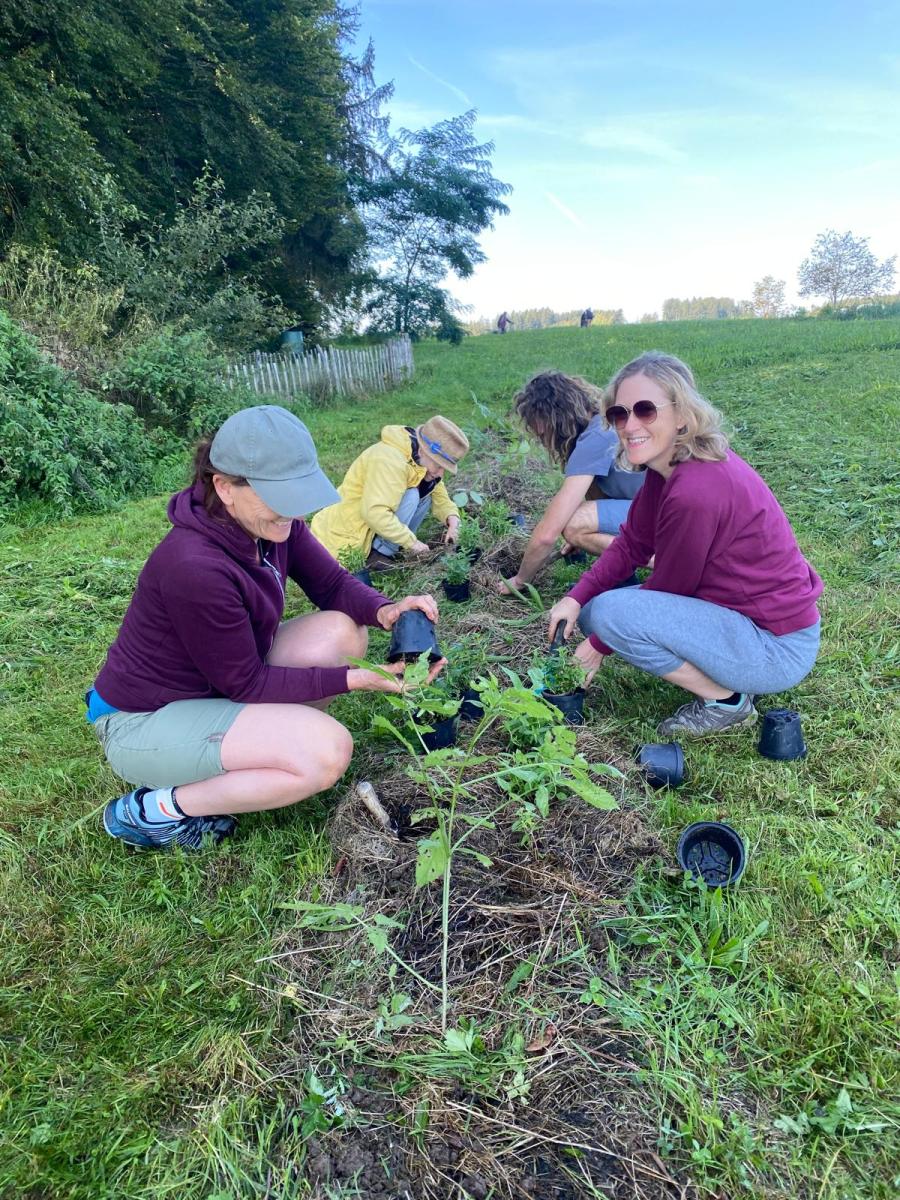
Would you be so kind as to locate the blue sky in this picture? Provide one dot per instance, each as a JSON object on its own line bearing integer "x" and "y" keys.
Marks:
{"x": 657, "y": 148}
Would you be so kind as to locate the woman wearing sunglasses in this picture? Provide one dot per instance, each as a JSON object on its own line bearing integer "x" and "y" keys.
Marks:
{"x": 730, "y": 608}
{"x": 564, "y": 413}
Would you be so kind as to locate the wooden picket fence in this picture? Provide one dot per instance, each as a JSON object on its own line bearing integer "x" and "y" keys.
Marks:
{"x": 327, "y": 370}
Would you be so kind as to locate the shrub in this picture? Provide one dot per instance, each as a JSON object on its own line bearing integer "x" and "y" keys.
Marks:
{"x": 57, "y": 441}
{"x": 176, "y": 382}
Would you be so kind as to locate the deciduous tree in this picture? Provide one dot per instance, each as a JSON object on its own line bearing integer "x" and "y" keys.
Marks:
{"x": 768, "y": 297}
{"x": 842, "y": 267}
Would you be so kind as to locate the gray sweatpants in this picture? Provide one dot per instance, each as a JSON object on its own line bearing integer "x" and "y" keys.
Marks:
{"x": 658, "y": 632}
{"x": 412, "y": 511}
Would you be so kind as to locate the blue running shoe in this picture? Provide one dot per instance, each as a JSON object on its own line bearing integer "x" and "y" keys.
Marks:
{"x": 124, "y": 818}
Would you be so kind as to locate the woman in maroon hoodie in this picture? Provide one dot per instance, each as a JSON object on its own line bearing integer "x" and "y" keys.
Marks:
{"x": 730, "y": 608}
{"x": 207, "y": 701}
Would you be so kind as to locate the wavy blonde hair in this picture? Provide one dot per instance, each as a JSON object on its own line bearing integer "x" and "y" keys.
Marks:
{"x": 557, "y": 409}
{"x": 700, "y": 424}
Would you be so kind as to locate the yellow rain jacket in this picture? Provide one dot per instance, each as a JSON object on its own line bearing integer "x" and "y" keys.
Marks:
{"x": 371, "y": 490}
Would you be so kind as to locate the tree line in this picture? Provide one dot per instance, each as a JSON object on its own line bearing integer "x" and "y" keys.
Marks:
{"x": 245, "y": 136}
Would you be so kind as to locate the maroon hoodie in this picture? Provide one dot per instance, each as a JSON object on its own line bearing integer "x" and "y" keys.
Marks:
{"x": 205, "y": 612}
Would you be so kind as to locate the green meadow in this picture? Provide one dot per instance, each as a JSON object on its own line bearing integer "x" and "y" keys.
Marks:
{"x": 146, "y": 1044}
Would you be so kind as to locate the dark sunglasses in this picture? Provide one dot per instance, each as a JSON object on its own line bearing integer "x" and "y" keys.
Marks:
{"x": 645, "y": 411}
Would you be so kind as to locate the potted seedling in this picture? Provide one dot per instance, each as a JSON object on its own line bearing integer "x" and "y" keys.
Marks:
{"x": 470, "y": 539}
{"x": 466, "y": 661}
{"x": 353, "y": 559}
{"x": 562, "y": 679}
{"x": 456, "y": 576}
{"x": 413, "y": 634}
{"x": 436, "y": 719}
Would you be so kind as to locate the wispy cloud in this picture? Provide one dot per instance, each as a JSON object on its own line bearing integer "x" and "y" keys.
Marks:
{"x": 451, "y": 87}
{"x": 566, "y": 211}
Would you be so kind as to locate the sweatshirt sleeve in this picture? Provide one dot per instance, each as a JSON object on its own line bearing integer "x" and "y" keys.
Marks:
{"x": 441, "y": 504}
{"x": 383, "y": 488}
{"x": 218, "y": 639}
{"x": 326, "y": 582}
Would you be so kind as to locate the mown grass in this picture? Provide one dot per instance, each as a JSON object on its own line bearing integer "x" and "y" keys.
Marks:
{"x": 139, "y": 1049}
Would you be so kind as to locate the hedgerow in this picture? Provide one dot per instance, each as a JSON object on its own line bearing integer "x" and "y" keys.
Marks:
{"x": 58, "y": 442}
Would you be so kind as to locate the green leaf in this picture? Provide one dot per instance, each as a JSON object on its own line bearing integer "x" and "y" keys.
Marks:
{"x": 460, "y": 1041}
{"x": 597, "y": 797}
{"x": 431, "y": 861}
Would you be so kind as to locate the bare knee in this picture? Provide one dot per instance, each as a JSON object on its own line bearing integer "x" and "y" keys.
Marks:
{"x": 346, "y": 638}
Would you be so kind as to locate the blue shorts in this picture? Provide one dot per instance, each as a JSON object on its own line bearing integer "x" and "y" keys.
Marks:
{"x": 611, "y": 515}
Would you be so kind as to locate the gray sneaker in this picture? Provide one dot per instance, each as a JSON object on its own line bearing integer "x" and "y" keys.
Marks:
{"x": 699, "y": 719}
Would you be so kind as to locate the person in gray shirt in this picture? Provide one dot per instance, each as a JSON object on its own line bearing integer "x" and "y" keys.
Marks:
{"x": 564, "y": 412}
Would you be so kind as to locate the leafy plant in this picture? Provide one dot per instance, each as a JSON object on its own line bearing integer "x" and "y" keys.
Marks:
{"x": 471, "y": 536}
{"x": 464, "y": 497}
{"x": 494, "y": 516}
{"x": 352, "y": 559}
{"x": 558, "y": 673}
{"x": 457, "y": 567}
{"x": 466, "y": 660}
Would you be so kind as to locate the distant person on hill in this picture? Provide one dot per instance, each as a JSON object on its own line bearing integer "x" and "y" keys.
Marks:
{"x": 730, "y": 608}
{"x": 208, "y": 702}
{"x": 563, "y": 413}
{"x": 503, "y": 322}
{"x": 390, "y": 489}
{"x": 586, "y": 317}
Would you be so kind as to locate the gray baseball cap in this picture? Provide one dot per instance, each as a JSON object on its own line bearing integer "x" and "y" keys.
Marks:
{"x": 274, "y": 451}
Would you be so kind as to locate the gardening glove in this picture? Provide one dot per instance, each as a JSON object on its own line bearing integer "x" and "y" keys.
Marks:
{"x": 566, "y": 610}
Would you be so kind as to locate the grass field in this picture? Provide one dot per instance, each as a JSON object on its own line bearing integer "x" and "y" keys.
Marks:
{"x": 147, "y": 1043}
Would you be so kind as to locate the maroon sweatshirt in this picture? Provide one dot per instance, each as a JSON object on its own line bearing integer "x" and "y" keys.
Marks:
{"x": 205, "y": 612}
{"x": 718, "y": 534}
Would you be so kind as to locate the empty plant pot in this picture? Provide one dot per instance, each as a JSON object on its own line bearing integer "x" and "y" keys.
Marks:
{"x": 412, "y": 634}
{"x": 782, "y": 736}
{"x": 443, "y": 732}
{"x": 471, "y": 708}
{"x": 364, "y": 576}
{"x": 712, "y": 852}
{"x": 662, "y": 763}
{"x": 456, "y": 591}
{"x": 570, "y": 704}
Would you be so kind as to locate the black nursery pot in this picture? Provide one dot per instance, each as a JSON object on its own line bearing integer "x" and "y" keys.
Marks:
{"x": 712, "y": 852}
{"x": 474, "y": 554}
{"x": 570, "y": 704}
{"x": 662, "y": 763}
{"x": 471, "y": 708}
{"x": 364, "y": 576}
{"x": 456, "y": 591}
{"x": 782, "y": 736}
{"x": 411, "y": 635}
{"x": 443, "y": 732}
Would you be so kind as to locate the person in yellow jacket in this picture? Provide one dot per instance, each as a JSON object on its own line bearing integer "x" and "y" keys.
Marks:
{"x": 390, "y": 489}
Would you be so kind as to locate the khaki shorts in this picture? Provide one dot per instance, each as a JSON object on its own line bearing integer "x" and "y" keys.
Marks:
{"x": 179, "y": 743}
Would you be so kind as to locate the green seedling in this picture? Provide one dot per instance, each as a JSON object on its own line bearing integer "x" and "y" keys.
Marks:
{"x": 457, "y": 568}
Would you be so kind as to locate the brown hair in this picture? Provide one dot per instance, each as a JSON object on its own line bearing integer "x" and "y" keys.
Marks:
{"x": 557, "y": 409}
{"x": 203, "y": 474}
{"x": 699, "y": 433}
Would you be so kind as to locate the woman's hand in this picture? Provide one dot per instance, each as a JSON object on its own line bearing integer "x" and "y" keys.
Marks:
{"x": 589, "y": 659}
{"x": 451, "y": 536}
{"x": 360, "y": 679}
{"x": 388, "y": 613}
{"x": 417, "y": 549}
{"x": 566, "y": 610}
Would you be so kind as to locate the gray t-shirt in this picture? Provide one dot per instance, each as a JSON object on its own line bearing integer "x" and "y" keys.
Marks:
{"x": 594, "y": 454}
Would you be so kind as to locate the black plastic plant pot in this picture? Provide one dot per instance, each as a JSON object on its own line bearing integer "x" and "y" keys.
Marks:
{"x": 575, "y": 556}
{"x": 456, "y": 591}
{"x": 517, "y": 519}
{"x": 474, "y": 554}
{"x": 443, "y": 731}
{"x": 712, "y": 852}
{"x": 471, "y": 708}
{"x": 411, "y": 635}
{"x": 662, "y": 763}
{"x": 570, "y": 704}
{"x": 364, "y": 576}
{"x": 782, "y": 736}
